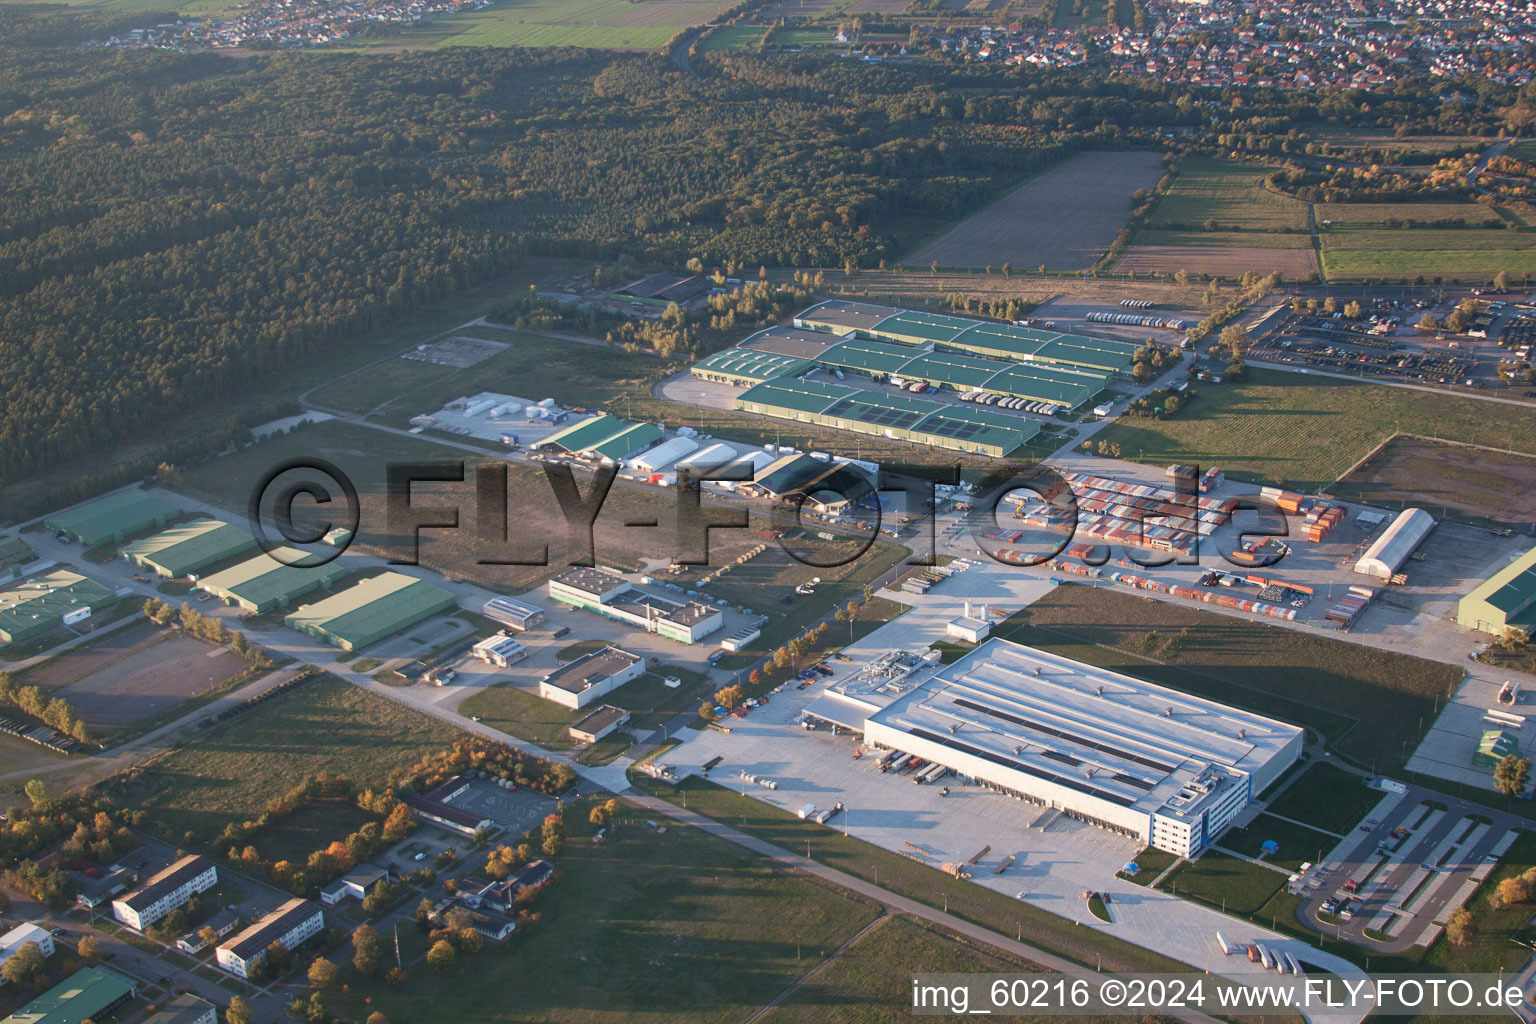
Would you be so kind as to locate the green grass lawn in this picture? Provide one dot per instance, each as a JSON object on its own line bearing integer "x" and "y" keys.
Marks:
{"x": 1342, "y": 214}
{"x": 1327, "y": 797}
{"x": 608, "y": 749}
{"x": 900, "y": 874}
{"x": 524, "y": 715}
{"x": 1352, "y": 252}
{"x": 679, "y": 926}
{"x": 1230, "y": 193}
{"x": 1298, "y": 844}
{"x": 1492, "y": 950}
{"x": 1226, "y": 882}
{"x": 735, "y": 37}
{"x": 1304, "y": 432}
{"x": 1371, "y": 702}
{"x": 1153, "y": 862}
{"x": 230, "y": 772}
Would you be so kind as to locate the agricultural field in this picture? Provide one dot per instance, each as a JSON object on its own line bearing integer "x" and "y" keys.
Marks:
{"x": 1228, "y": 193}
{"x": 1304, "y": 432}
{"x": 116, "y": 8}
{"x": 1384, "y": 214}
{"x": 1470, "y": 483}
{"x": 642, "y": 926}
{"x": 133, "y": 673}
{"x": 1365, "y": 702}
{"x": 1352, "y": 252}
{"x": 1292, "y": 262}
{"x": 606, "y": 24}
{"x": 1064, "y": 218}
{"x": 230, "y": 772}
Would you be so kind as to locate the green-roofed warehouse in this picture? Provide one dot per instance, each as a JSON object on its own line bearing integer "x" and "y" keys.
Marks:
{"x": 912, "y": 327}
{"x": 579, "y": 436}
{"x": 36, "y": 605}
{"x": 1004, "y": 341}
{"x": 91, "y": 993}
{"x": 266, "y": 582}
{"x": 841, "y": 317}
{"x": 189, "y": 547}
{"x": 115, "y": 517}
{"x": 1505, "y": 600}
{"x": 632, "y": 440}
{"x": 370, "y": 611}
{"x": 606, "y": 437}
{"x": 936, "y": 424}
{"x": 743, "y": 367}
{"x": 871, "y": 358}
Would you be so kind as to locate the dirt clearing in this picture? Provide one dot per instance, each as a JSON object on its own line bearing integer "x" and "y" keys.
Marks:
{"x": 1475, "y": 483}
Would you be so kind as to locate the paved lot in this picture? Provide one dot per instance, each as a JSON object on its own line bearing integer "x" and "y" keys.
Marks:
{"x": 517, "y": 810}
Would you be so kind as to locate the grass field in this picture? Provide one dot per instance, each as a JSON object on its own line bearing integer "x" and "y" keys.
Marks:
{"x": 1231, "y": 194}
{"x": 1342, "y": 214}
{"x": 735, "y": 37}
{"x": 1303, "y": 432}
{"x": 870, "y": 979}
{"x": 1353, "y": 252}
{"x": 1481, "y": 485}
{"x": 1229, "y": 883}
{"x": 1310, "y": 680}
{"x": 1298, "y": 844}
{"x": 1327, "y": 797}
{"x": 892, "y": 871}
{"x": 524, "y": 715}
{"x": 230, "y": 772}
{"x": 679, "y": 926}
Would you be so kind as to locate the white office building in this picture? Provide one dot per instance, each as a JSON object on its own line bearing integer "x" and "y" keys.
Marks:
{"x": 1168, "y": 768}
{"x": 290, "y": 924}
{"x": 22, "y": 934}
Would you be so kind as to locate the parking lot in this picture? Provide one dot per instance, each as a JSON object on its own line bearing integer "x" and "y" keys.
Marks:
{"x": 515, "y": 810}
{"x": 1396, "y": 879}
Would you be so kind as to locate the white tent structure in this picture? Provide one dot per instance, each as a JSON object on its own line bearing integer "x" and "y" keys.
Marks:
{"x": 661, "y": 458}
{"x": 1387, "y": 554}
{"x": 706, "y": 460}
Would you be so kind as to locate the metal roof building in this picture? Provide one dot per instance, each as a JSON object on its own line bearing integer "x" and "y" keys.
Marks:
{"x": 1388, "y": 552}
{"x": 1505, "y": 600}
{"x": 186, "y": 1009}
{"x": 270, "y": 581}
{"x": 579, "y": 436}
{"x": 741, "y": 367}
{"x": 1162, "y": 765}
{"x": 789, "y": 341}
{"x": 112, "y": 518}
{"x": 627, "y": 442}
{"x": 36, "y": 605}
{"x": 911, "y": 327}
{"x": 370, "y": 611}
{"x": 663, "y": 456}
{"x": 708, "y": 459}
{"x": 604, "y": 437}
{"x": 91, "y": 993}
{"x": 188, "y": 547}
{"x": 875, "y": 358}
{"x": 838, "y": 316}
{"x": 937, "y": 424}
{"x": 1026, "y": 344}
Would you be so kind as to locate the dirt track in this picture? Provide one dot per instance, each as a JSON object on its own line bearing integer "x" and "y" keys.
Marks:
{"x": 1065, "y": 218}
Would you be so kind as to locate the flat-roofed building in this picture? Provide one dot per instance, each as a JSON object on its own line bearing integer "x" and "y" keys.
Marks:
{"x": 1171, "y": 769}
{"x": 610, "y": 594}
{"x": 113, "y": 518}
{"x": 185, "y": 1008}
{"x": 165, "y": 891}
{"x": 789, "y": 341}
{"x": 436, "y": 806}
{"x": 578, "y": 683}
{"x": 290, "y": 924}
{"x": 839, "y": 316}
{"x": 189, "y": 547}
{"x": 511, "y": 612}
{"x": 601, "y": 721}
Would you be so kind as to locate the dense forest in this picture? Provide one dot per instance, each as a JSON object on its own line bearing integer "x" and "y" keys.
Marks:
{"x": 172, "y": 225}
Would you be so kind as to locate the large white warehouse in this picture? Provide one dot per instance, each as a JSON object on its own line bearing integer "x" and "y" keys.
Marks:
{"x": 1388, "y": 552}
{"x": 1169, "y": 768}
